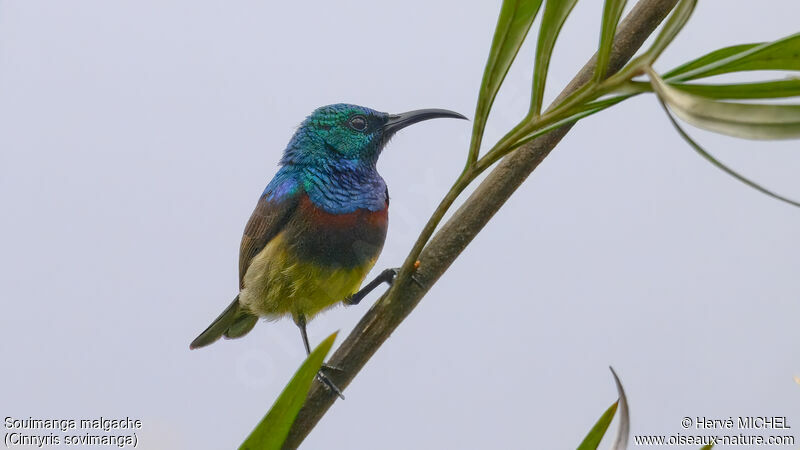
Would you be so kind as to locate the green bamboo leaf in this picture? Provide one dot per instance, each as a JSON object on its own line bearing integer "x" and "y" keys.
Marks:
{"x": 674, "y": 25}
{"x": 762, "y": 89}
{"x": 271, "y": 432}
{"x": 553, "y": 18}
{"x": 708, "y": 58}
{"x": 592, "y": 440}
{"x": 612, "y": 11}
{"x": 744, "y": 120}
{"x": 783, "y": 54}
{"x": 624, "y": 428}
{"x": 719, "y": 164}
{"x": 707, "y": 447}
{"x": 572, "y": 117}
{"x": 516, "y": 17}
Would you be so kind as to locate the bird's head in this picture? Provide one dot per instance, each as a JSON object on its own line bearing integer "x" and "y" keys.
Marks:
{"x": 350, "y": 132}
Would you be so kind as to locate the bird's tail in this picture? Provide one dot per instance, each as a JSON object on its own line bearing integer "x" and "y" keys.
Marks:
{"x": 234, "y": 322}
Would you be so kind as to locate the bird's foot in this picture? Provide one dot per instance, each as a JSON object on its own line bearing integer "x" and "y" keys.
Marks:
{"x": 396, "y": 271}
{"x": 329, "y": 368}
{"x": 328, "y": 383}
{"x": 387, "y": 276}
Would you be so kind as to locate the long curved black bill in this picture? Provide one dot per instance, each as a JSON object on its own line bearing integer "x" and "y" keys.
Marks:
{"x": 399, "y": 121}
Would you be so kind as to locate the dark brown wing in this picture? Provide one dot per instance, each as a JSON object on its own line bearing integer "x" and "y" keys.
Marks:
{"x": 267, "y": 220}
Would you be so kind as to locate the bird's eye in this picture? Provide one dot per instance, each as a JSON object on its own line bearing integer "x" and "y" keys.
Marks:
{"x": 358, "y": 123}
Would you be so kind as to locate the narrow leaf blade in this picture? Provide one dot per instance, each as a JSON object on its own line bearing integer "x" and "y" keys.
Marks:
{"x": 783, "y": 54}
{"x": 271, "y": 432}
{"x": 763, "y": 89}
{"x": 674, "y": 25}
{"x": 577, "y": 114}
{"x": 612, "y": 11}
{"x": 719, "y": 164}
{"x": 624, "y": 428}
{"x": 740, "y": 91}
{"x": 707, "y": 59}
{"x": 553, "y": 18}
{"x": 516, "y": 17}
{"x": 744, "y": 120}
{"x": 592, "y": 440}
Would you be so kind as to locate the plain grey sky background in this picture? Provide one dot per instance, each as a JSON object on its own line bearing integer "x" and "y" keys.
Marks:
{"x": 136, "y": 136}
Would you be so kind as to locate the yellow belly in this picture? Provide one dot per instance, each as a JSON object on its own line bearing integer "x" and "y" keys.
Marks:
{"x": 277, "y": 283}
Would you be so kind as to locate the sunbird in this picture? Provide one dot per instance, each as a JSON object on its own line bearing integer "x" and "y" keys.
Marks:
{"x": 319, "y": 225}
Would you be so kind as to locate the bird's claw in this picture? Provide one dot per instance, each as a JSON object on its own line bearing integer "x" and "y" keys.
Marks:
{"x": 396, "y": 272}
{"x": 329, "y": 384}
{"x": 387, "y": 276}
{"x": 330, "y": 368}
{"x": 416, "y": 280}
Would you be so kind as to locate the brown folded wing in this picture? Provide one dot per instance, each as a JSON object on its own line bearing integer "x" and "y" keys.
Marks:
{"x": 267, "y": 220}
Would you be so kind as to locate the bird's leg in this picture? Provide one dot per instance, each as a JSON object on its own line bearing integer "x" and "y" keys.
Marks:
{"x": 387, "y": 276}
{"x": 301, "y": 323}
{"x": 300, "y": 320}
